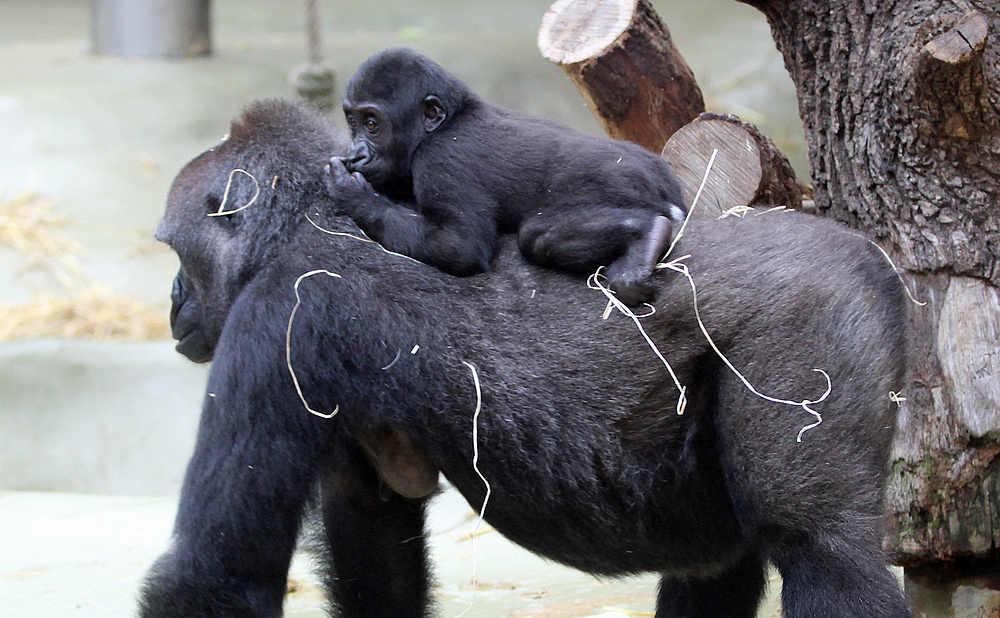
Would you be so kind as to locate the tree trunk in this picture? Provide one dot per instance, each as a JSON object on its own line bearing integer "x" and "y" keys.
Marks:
{"x": 901, "y": 106}
{"x": 621, "y": 57}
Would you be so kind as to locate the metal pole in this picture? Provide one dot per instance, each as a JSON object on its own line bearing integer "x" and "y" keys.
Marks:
{"x": 151, "y": 28}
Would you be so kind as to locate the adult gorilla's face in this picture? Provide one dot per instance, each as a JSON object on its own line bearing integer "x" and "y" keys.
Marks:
{"x": 227, "y": 207}
{"x": 208, "y": 247}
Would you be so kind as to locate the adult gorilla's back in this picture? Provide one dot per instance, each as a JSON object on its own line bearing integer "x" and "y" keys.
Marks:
{"x": 577, "y": 435}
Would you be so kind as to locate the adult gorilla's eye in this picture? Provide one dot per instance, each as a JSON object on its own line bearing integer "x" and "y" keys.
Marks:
{"x": 212, "y": 205}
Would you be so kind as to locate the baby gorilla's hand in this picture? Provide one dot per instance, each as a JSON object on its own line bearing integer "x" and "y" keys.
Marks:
{"x": 344, "y": 187}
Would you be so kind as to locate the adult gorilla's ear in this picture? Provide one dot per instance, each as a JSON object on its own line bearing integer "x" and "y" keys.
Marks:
{"x": 434, "y": 113}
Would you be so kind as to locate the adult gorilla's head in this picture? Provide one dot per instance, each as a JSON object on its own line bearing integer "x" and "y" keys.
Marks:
{"x": 269, "y": 163}
{"x": 393, "y": 100}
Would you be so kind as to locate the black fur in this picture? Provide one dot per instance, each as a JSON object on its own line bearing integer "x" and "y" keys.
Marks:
{"x": 578, "y": 436}
{"x": 453, "y": 172}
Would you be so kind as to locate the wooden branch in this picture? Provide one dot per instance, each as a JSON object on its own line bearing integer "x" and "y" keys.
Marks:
{"x": 620, "y": 55}
{"x": 749, "y": 170}
{"x": 963, "y": 42}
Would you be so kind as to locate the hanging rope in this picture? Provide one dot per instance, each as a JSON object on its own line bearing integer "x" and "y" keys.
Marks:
{"x": 314, "y": 81}
{"x": 313, "y": 32}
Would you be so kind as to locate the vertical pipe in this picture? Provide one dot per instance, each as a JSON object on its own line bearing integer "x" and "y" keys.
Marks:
{"x": 151, "y": 28}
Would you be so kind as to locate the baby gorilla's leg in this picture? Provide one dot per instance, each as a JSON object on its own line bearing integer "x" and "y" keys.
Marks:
{"x": 630, "y": 275}
{"x": 627, "y": 242}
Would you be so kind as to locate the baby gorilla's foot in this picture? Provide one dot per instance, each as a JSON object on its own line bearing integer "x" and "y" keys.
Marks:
{"x": 632, "y": 291}
{"x": 630, "y": 276}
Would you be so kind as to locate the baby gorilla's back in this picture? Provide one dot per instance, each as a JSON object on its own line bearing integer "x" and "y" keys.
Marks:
{"x": 452, "y": 172}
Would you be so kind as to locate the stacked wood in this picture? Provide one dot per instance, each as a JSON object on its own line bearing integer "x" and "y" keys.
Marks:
{"x": 621, "y": 57}
{"x": 748, "y": 169}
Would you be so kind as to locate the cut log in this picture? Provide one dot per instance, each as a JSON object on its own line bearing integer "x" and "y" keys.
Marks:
{"x": 963, "y": 42}
{"x": 620, "y": 55}
{"x": 748, "y": 170}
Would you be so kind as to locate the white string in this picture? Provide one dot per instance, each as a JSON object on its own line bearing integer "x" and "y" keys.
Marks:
{"x": 399, "y": 352}
{"x": 594, "y": 283}
{"x": 697, "y": 196}
{"x": 356, "y": 237}
{"x": 677, "y": 266}
{"x": 489, "y": 490}
{"x": 897, "y": 271}
{"x": 225, "y": 195}
{"x": 288, "y": 342}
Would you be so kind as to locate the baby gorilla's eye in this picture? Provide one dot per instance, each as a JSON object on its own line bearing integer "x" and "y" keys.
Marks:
{"x": 371, "y": 125}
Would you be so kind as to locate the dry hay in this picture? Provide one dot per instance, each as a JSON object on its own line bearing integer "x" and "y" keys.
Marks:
{"x": 93, "y": 314}
{"x": 83, "y": 310}
{"x": 28, "y": 226}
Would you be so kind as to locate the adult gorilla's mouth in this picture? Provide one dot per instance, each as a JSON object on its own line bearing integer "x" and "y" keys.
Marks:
{"x": 193, "y": 345}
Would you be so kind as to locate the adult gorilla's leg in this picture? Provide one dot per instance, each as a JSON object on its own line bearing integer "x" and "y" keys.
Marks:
{"x": 735, "y": 593}
{"x": 816, "y": 504}
{"x": 376, "y": 542}
{"x": 831, "y": 574}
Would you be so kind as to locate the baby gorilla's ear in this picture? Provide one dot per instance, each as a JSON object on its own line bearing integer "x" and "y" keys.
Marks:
{"x": 434, "y": 113}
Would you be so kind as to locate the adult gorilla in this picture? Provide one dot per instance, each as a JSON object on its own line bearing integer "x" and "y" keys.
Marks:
{"x": 577, "y": 434}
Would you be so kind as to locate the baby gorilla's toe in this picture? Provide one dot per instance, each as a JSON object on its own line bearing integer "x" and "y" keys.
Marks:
{"x": 633, "y": 289}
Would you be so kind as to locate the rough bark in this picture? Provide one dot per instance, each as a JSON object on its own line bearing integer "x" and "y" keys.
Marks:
{"x": 749, "y": 170}
{"x": 901, "y": 105}
{"x": 900, "y": 143}
{"x": 621, "y": 57}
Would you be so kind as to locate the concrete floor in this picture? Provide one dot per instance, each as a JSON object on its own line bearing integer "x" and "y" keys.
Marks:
{"x": 85, "y": 556}
{"x": 102, "y": 137}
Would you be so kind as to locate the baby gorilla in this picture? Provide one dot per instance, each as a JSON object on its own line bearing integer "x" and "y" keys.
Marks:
{"x": 436, "y": 173}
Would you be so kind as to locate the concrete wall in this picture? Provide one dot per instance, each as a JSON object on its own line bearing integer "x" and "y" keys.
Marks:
{"x": 92, "y": 417}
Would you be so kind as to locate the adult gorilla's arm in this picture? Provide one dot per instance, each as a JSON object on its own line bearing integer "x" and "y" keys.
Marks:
{"x": 256, "y": 460}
